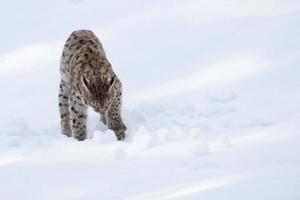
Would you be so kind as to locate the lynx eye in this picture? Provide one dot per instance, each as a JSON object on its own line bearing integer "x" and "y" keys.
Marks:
{"x": 107, "y": 101}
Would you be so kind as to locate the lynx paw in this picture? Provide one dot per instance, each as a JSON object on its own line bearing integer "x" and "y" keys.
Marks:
{"x": 121, "y": 136}
{"x": 67, "y": 133}
{"x": 120, "y": 133}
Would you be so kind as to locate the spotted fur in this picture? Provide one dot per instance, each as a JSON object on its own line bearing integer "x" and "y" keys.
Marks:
{"x": 87, "y": 79}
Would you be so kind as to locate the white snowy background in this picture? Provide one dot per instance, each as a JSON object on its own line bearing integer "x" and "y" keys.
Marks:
{"x": 211, "y": 101}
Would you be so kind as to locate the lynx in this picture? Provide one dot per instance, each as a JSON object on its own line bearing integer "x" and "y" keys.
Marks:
{"x": 87, "y": 79}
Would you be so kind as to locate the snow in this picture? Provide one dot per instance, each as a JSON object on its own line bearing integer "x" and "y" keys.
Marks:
{"x": 211, "y": 92}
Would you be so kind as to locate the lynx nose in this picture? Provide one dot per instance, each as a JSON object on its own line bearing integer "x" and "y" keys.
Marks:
{"x": 100, "y": 110}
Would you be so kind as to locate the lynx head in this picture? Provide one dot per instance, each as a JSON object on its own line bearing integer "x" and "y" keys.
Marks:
{"x": 98, "y": 92}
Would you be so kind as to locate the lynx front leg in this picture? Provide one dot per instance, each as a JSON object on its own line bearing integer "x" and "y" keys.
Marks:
{"x": 114, "y": 120}
{"x": 78, "y": 111}
{"x": 63, "y": 102}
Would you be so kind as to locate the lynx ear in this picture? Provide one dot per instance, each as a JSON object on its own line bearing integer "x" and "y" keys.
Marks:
{"x": 111, "y": 81}
{"x": 86, "y": 82}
